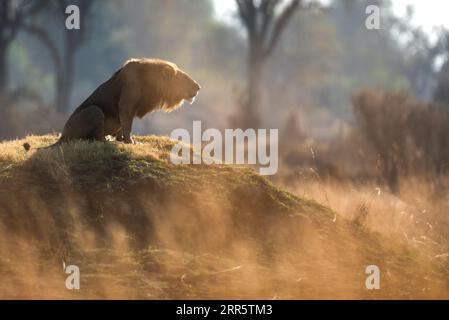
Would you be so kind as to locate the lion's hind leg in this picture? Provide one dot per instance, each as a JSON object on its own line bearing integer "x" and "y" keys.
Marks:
{"x": 86, "y": 124}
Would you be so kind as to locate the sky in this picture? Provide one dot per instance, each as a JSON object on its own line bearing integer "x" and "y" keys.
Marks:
{"x": 427, "y": 13}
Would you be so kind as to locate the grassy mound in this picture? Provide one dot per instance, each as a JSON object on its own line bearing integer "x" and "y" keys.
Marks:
{"x": 139, "y": 227}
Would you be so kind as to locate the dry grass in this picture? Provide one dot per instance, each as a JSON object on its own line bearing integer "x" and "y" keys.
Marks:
{"x": 414, "y": 214}
{"x": 417, "y": 218}
{"x": 139, "y": 227}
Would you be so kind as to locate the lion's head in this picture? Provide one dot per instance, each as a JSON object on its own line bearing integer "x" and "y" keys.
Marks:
{"x": 163, "y": 85}
{"x": 181, "y": 87}
{"x": 174, "y": 85}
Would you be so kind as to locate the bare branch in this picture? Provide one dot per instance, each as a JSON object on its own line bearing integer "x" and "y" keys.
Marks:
{"x": 267, "y": 9}
{"x": 247, "y": 12}
{"x": 12, "y": 18}
{"x": 280, "y": 25}
{"x": 31, "y": 7}
{"x": 45, "y": 38}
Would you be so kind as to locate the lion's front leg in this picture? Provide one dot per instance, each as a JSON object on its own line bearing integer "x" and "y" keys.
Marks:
{"x": 126, "y": 122}
{"x": 127, "y": 108}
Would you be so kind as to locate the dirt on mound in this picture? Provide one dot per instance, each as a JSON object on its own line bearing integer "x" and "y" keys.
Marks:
{"x": 139, "y": 227}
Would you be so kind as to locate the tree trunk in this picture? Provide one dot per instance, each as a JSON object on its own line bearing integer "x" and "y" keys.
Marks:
{"x": 3, "y": 67}
{"x": 64, "y": 79}
{"x": 69, "y": 77}
{"x": 392, "y": 176}
{"x": 60, "y": 97}
{"x": 250, "y": 117}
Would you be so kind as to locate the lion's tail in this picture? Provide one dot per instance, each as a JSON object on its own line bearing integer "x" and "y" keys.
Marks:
{"x": 57, "y": 143}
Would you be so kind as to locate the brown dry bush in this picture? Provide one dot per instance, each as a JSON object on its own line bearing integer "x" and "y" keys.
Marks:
{"x": 395, "y": 143}
{"x": 409, "y": 137}
{"x": 393, "y": 137}
{"x": 19, "y": 118}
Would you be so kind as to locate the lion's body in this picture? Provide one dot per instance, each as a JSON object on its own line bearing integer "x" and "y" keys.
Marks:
{"x": 138, "y": 88}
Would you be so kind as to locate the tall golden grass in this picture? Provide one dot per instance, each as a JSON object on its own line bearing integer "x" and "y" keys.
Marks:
{"x": 140, "y": 227}
{"x": 387, "y": 172}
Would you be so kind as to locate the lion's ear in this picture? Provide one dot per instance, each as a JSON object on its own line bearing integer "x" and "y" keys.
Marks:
{"x": 168, "y": 72}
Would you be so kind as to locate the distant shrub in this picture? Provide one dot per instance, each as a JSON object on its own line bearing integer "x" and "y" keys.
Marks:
{"x": 18, "y": 119}
{"x": 408, "y": 136}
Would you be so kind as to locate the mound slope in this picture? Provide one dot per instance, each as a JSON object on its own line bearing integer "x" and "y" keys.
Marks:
{"x": 139, "y": 227}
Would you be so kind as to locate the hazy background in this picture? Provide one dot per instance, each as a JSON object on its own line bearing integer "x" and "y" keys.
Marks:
{"x": 331, "y": 86}
{"x": 325, "y": 54}
{"x": 363, "y": 118}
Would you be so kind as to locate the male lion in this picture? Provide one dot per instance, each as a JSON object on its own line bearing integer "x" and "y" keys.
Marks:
{"x": 139, "y": 87}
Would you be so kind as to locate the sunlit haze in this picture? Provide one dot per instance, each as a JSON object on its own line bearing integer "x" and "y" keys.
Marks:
{"x": 428, "y": 14}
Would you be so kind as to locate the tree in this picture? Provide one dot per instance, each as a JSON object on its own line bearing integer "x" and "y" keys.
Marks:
{"x": 63, "y": 57}
{"x": 12, "y": 16}
{"x": 264, "y": 27}
{"x": 441, "y": 92}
